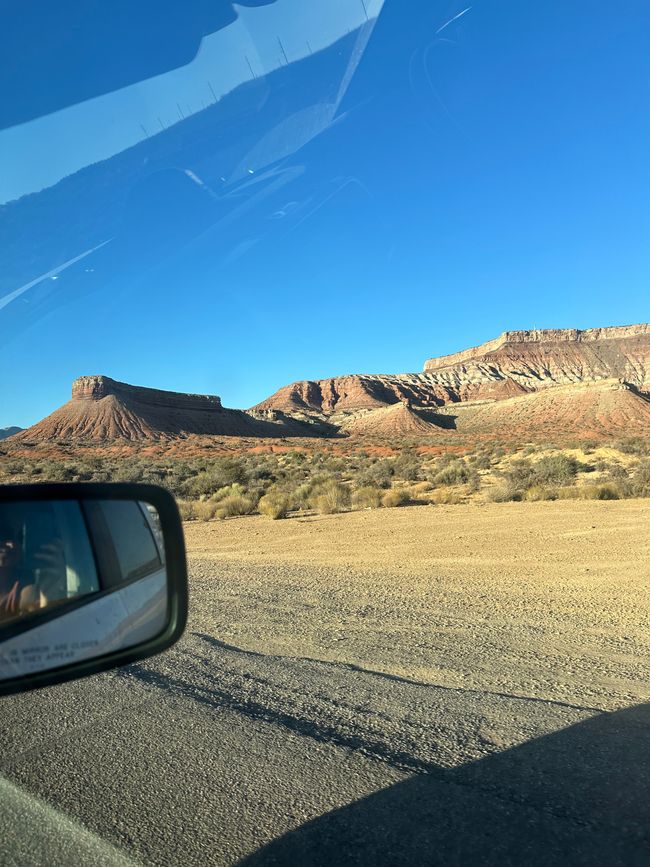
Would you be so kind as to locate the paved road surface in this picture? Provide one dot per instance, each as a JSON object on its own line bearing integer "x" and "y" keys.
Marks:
{"x": 211, "y": 754}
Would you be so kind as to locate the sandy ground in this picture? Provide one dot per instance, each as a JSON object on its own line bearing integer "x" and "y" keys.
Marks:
{"x": 544, "y": 600}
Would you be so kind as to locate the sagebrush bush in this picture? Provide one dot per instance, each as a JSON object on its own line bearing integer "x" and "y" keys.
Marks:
{"x": 503, "y": 492}
{"x": 407, "y": 466}
{"x": 366, "y": 498}
{"x": 556, "y": 469}
{"x": 606, "y": 491}
{"x": 274, "y": 505}
{"x": 539, "y": 492}
{"x": 453, "y": 472}
{"x": 420, "y": 488}
{"x": 233, "y": 505}
{"x": 378, "y": 474}
{"x": 235, "y": 490}
{"x": 187, "y": 508}
{"x": 446, "y": 497}
{"x": 330, "y": 497}
{"x": 640, "y": 483}
{"x": 395, "y": 497}
{"x": 205, "y": 510}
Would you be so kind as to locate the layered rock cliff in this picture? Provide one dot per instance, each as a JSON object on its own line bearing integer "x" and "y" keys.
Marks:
{"x": 103, "y": 410}
{"x": 517, "y": 362}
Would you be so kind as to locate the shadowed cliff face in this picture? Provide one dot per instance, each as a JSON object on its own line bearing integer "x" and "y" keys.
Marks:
{"x": 517, "y": 363}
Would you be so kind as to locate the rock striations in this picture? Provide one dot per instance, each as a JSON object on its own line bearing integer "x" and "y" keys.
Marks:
{"x": 518, "y": 362}
{"x": 102, "y": 410}
{"x": 523, "y": 385}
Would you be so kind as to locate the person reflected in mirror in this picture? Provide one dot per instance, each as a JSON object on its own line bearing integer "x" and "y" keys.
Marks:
{"x": 11, "y": 572}
{"x": 50, "y": 575}
{"x": 19, "y": 594}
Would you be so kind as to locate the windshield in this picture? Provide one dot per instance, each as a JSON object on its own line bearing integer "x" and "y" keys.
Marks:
{"x": 364, "y": 284}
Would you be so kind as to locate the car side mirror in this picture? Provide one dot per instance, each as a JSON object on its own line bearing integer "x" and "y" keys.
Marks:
{"x": 92, "y": 576}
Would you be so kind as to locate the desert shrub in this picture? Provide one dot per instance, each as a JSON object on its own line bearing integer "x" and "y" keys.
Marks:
{"x": 481, "y": 461}
{"x": 607, "y": 491}
{"x": 205, "y": 510}
{"x": 187, "y": 508}
{"x": 395, "y": 497}
{"x": 420, "y": 488}
{"x": 446, "y": 497}
{"x": 473, "y": 481}
{"x": 503, "y": 492}
{"x": 539, "y": 492}
{"x": 557, "y": 469}
{"x": 300, "y": 497}
{"x": 274, "y": 505}
{"x": 520, "y": 475}
{"x": 570, "y": 492}
{"x": 615, "y": 470}
{"x": 202, "y": 484}
{"x": 367, "y": 498}
{"x": 453, "y": 472}
{"x": 640, "y": 482}
{"x": 407, "y": 466}
{"x": 235, "y": 504}
{"x": 377, "y": 475}
{"x": 330, "y": 497}
{"x": 634, "y": 446}
{"x": 235, "y": 490}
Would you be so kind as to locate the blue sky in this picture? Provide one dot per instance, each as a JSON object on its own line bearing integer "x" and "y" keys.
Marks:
{"x": 486, "y": 174}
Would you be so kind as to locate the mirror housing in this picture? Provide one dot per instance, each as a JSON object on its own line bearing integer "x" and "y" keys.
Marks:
{"x": 100, "y": 580}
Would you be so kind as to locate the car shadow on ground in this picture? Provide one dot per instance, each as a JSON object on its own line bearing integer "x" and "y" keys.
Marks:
{"x": 579, "y": 796}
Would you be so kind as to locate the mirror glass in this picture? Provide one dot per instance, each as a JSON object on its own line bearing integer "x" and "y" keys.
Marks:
{"x": 78, "y": 579}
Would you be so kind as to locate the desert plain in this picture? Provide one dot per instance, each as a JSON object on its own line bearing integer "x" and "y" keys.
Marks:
{"x": 546, "y": 600}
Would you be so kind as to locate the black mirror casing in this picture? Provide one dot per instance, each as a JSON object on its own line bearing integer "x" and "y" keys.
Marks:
{"x": 176, "y": 580}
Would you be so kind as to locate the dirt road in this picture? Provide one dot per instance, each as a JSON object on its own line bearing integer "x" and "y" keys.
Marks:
{"x": 429, "y": 685}
{"x": 548, "y": 599}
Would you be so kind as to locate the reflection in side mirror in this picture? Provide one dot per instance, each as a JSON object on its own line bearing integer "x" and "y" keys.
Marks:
{"x": 91, "y": 576}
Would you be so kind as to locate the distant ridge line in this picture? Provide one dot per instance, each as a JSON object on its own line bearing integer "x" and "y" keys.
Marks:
{"x": 538, "y": 335}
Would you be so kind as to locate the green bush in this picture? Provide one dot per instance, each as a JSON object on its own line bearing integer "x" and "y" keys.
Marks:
{"x": 519, "y": 476}
{"x": 235, "y": 490}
